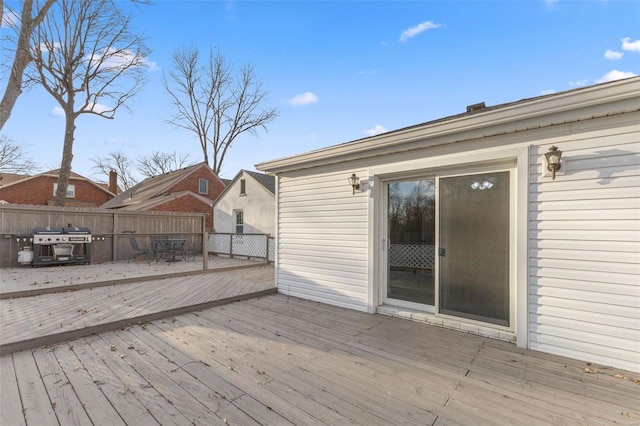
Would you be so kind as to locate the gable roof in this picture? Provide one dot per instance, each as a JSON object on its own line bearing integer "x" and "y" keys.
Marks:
{"x": 163, "y": 198}
{"x": 544, "y": 111}
{"x": 9, "y": 179}
{"x": 268, "y": 182}
{"x": 152, "y": 187}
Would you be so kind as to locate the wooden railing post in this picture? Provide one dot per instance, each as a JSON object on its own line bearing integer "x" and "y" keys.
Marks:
{"x": 205, "y": 245}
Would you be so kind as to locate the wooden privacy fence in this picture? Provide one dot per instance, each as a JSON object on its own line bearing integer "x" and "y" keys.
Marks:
{"x": 114, "y": 226}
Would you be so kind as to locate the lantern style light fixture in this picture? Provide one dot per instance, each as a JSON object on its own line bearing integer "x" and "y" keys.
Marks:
{"x": 354, "y": 181}
{"x": 553, "y": 160}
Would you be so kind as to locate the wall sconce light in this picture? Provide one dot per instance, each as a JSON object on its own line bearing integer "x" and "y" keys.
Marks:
{"x": 553, "y": 160}
{"x": 354, "y": 181}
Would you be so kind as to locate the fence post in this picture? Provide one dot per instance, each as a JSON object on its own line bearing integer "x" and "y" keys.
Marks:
{"x": 231, "y": 246}
{"x": 266, "y": 255}
{"x": 114, "y": 242}
{"x": 205, "y": 250}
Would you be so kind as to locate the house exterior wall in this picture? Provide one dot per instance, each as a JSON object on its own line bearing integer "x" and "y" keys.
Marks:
{"x": 323, "y": 239}
{"x": 577, "y": 238}
{"x": 39, "y": 191}
{"x": 257, "y": 205}
{"x": 191, "y": 183}
{"x": 584, "y": 245}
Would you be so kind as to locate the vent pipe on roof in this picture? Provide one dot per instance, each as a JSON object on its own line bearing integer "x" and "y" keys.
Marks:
{"x": 475, "y": 107}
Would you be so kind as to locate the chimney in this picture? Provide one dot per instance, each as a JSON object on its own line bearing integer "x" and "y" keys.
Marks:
{"x": 113, "y": 181}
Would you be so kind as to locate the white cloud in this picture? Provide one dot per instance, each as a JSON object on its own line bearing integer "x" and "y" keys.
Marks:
{"x": 414, "y": 31}
{"x": 376, "y": 130}
{"x": 547, "y": 92}
{"x": 550, "y": 2}
{"x": 97, "y": 108}
{"x": 615, "y": 75}
{"x": 151, "y": 65}
{"x": 57, "y": 112}
{"x": 631, "y": 46}
{"x": 303, "y": 99}
{"x": 579, "y": 83}
{"x": 115, "y": 60}
{"x": 613, "y": 55}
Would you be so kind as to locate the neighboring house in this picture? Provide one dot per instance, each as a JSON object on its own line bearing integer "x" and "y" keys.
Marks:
{"x": 458, "y": 222}
{"x": 191, "y": 189}
{"x": 40, "y": 189}
{"x": 247, "y": 205}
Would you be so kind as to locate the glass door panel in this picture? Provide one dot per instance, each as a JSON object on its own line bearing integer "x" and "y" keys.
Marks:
{"x": 411, "y": 248}
{"x": 474, "y": 247}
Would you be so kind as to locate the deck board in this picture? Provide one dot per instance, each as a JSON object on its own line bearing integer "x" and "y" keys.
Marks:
{"x": 10, "y": 404}
{"x": 50, "y": 314}
{"x": 281, "y": 360}
{"x": 65, "y": 402}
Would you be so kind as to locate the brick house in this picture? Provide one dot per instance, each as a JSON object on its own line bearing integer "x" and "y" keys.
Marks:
{"x": 191, "y": 189}
{"x": 40, "y": 189}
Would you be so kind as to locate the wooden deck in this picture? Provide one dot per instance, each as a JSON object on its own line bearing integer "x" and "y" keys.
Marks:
{"x": 279, "y": 360}
{"x": 17, "y": 281}
{"x": 28, "y": 322}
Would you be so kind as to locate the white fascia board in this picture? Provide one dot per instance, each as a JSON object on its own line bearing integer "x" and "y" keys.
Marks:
{"x": 591, "y": 102}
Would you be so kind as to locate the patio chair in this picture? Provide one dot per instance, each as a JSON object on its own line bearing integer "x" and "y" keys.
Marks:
{"x": 190, "y": 250}
{"x": 139, "y": 252}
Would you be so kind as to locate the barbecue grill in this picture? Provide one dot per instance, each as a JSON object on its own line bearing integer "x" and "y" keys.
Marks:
{"x": 64, "y": 245}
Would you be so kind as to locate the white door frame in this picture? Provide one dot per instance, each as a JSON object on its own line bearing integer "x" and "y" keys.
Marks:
{"x": 518, "y": 157}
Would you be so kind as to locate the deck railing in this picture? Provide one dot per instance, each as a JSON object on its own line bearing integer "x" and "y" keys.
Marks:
{"x": 252, "y": 246}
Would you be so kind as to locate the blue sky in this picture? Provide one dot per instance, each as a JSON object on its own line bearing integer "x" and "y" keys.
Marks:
{"x": 343, "y": 70}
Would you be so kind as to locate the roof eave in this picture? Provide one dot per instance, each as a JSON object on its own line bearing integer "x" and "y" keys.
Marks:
{"x": 512, "y": 117}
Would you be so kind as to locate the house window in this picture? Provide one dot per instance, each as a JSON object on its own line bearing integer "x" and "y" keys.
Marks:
{"x": 203, "y": 187}
{"x": 243, "y": 187}
{"x": 71, "y": 190}
{"x": 239, "y": 221}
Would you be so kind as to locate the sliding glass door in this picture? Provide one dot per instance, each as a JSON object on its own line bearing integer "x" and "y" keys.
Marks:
{"x": 474, "y": 247}
{"x": 411, "y": 248}
{"x": 463, "y": 269}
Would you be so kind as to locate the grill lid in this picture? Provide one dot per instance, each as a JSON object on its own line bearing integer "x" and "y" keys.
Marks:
{"x": 76, "y": 230}
{"x": 46, "y": 230}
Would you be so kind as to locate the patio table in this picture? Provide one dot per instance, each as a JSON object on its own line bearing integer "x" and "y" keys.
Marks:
{"x": 170, "y": 246}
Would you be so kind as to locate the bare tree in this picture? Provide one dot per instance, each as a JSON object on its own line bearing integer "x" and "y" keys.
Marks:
{"x": 118, "y": 161}
{"x": 215, "y": 104}
{"x": 86, "y": 56}
{"x": 13, "y": 158}
{"x": 31, "y": 16}
{"x": 160, "y": 163}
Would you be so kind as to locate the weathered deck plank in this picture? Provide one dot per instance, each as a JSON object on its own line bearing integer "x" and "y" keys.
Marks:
{"x": 93, "y": 399}
{"x": 126, "y": 403}
{"x": 31, "y": 318}
{"x": 64, "y": 400}
{"x": 10, "y": 404}
{"x": 36, "y": 406}
{"x": 135, "y": 383}
{"x": 279, "y": 360}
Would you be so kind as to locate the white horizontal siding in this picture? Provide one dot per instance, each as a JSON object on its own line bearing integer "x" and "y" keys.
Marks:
{"x": 323, "y": 239}
{"x": 584, "y": 247}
